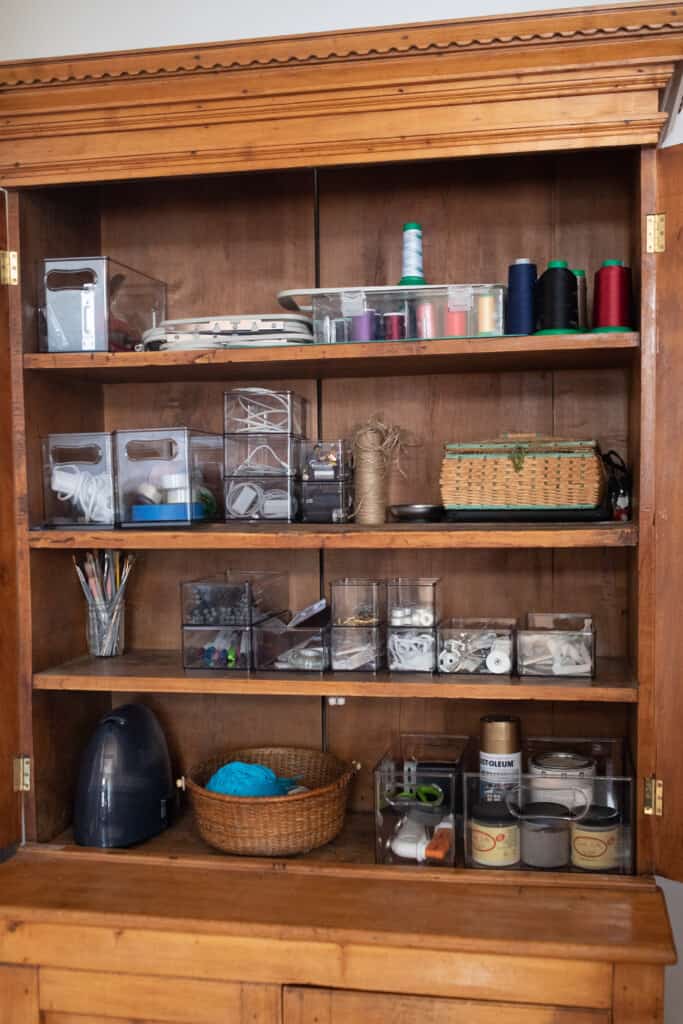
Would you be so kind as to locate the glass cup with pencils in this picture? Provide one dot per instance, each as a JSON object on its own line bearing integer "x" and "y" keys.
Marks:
{"x": 103, "y": 578}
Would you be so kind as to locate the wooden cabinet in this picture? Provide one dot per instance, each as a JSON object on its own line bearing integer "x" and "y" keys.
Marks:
{"x": 507, "y": 137}
{"x": 326, "y": 1006}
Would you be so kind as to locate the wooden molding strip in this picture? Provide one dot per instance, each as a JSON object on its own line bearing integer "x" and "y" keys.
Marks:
{"x": 627, "y": 21}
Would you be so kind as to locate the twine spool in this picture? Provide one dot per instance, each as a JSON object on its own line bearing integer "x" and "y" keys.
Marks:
{"x": 375, "y": 447}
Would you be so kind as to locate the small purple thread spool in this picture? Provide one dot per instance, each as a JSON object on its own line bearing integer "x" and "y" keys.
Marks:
{"x": 363, "y": 326}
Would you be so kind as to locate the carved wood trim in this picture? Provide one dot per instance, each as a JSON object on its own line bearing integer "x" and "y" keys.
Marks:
{"x": 627, "y": 21}
{"x": 545, "y": 81}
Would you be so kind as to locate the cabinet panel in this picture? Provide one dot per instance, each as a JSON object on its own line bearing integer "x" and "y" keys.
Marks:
{"x": 327, "y": 1006}
{"x": 154, "y": 1000}
{"x": 18, "y": 995}
{"x": 9, "y": 719}
{"x": 669, "y": 517}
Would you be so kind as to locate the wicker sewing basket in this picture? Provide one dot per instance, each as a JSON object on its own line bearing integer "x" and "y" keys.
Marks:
{"x": 522, "y": 472}
{"x": 273, "y": 826}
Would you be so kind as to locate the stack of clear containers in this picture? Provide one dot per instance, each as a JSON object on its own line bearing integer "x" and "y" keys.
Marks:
{"x": 263, "y": 434}
{"x": 326, "y": 481}
{"x": 414, "y": 607}
{"x": 220, "y": 613}
{"x": 358, "y": 625}
{"x": 168, "y": 476}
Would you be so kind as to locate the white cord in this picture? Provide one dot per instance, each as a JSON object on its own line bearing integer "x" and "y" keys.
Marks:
{"x": 267, "y": 414}
{"x": 248, "y": 500}
{"x": 91, "y": 494}
{"x": 261, "y": 468}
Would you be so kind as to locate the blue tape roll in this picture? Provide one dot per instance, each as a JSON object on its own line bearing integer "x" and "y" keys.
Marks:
{"x": 178, "y": 512}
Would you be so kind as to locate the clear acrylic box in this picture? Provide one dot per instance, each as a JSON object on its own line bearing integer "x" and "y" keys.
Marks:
{"x": 358, "y": 602}
{"x": 410, "y": 649}
{"x": 97, "y": 305}
{"x": 168, "y": 476}
{"x": 327, "y": 502}
{"x": 414, "y": 602}
{"x": 326, "y": 461}
{"x": 226, "y": 648}
{"x": 400, "y": 313}
{"x": 477, "y": 646}
{"x": 418, "y": 797}
{"x": 262, "y": 411}
{"x": 78, "y": 480}
{"x": 261, "y": 455}
{"x": 557, "y": 645}
{"x": 357, "y": 648}
{"x": 284, "y": 648}
{"x": 234, "y": 598}
{"x": 261, "y": 497}
{"x": 549, "y": 832}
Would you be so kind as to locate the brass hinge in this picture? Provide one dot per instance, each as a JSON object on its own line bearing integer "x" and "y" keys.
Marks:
{"x": 22, "y": 774}
{"x": 655, "y": 232}
{"x": 9, "y": 267}
{"x": 654, "y": 796}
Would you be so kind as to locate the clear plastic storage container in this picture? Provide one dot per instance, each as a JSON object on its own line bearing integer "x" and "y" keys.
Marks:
{"x": 78, "y": 480}
{"x": 97, "y": 305}
{"x": 226, "y": 648}
{"x": 414, "y": 602}
{"x": 284, "y": 648}
{"x": 476, "y": 646}
{"x": 410, "y": 649}
{"x": 399, "y": 313}
{"x": 556, "y": 645}
{"x": 261, "y": 455}
{"x": 326, "y": 461}
{"x": 262, "y": 411}
{"x": 327, "y": 502}
{"x": 560, "y": 829}
{"x": 234, "y": 598}
{"x": 418, "y": 796}
{"x": 357, "y": 648}
{"x": 168, "y": 476}
{"x": 261, "y": 497}
{"x": 358, "y": 602}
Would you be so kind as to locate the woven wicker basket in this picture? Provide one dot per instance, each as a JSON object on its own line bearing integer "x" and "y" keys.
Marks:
{"x": 522, "y": 472}
{"x": 273, "y": 826}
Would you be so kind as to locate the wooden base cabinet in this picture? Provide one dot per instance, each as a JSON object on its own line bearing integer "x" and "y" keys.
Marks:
{"x": 232, "y": 172}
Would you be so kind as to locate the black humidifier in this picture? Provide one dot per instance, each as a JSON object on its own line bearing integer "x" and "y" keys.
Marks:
{"x": 125, "y": 787}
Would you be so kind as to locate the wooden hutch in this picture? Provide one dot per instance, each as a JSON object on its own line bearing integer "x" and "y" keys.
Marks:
{"x": 232, "y": 171}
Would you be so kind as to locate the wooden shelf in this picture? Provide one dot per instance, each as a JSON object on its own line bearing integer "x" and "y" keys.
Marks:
{"x": 351, "y": 853}
{"x": 454, "y": 355}
{"x": 162, "y": 672}
{"x": 299, "y": 536}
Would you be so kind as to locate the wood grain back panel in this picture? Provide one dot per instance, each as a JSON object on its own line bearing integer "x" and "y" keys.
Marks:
{"x": 223, "y": 244}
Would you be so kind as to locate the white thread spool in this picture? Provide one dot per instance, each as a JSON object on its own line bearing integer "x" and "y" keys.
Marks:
{"x": 413, "y": 269}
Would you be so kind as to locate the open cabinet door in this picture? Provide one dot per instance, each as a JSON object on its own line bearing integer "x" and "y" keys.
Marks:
{"x": 669, "y": 518}
{"x": 10, "y": 828}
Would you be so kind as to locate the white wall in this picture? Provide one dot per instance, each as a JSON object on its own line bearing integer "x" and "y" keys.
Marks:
{"x": 46, "y": 28}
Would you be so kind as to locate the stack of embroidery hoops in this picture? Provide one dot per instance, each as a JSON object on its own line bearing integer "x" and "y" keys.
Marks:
{"x": 250, "y": 330}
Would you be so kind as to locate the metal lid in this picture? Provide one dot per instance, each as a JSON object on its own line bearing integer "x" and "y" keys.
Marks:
{"x": 561, "y": 761}
{"x": 500, "y": 734}
{"x": 599, "y": 814}
{"x": 545, "y": 813}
